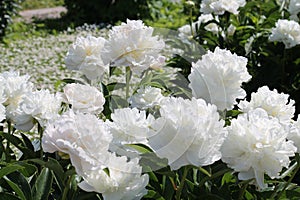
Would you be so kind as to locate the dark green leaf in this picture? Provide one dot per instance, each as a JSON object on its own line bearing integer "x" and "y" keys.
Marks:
{"x": 42, "y": 186}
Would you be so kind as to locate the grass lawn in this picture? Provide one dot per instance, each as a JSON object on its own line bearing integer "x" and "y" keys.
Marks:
{"x": 36, "y": 4}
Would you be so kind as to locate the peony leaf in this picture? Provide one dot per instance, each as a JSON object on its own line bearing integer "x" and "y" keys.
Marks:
{"x": 16, "y": 188}
{"x": 42, "y": 186}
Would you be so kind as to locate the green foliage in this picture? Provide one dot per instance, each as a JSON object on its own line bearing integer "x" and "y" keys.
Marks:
{"x": 8, "y": 8}
{"x": 94, "y": 11}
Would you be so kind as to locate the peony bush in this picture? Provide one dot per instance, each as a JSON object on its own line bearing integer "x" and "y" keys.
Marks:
{"x": 160, "y": 114}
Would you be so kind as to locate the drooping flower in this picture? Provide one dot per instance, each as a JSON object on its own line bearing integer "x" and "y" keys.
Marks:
{"x": 276, "y": 104}
{"x": 294, "y": 9}
{"x": 219, "y": 7}
{"x": 85, "y": 55}
{"x": 146, "y": 97}
{"x": 124, "y": 181}
{"x": 132, "y": 44}
{"x": 218, "y": 77}
{"x": 84, "y": 98}
{"x": 294, "y": 133}
{"x": 256, "y": 144}
{"x": 83, "y": 137}
{"x": 286, "y": 31}
{"x": 188, "y": 132}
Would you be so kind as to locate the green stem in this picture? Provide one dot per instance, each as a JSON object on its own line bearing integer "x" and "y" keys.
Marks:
{"x": 290, "y": 179}
{"x": 66, "y": 189}
{"x": 40, "y": 132}
{"x": 128, "y": 77}
{"x": 181, "y": 185}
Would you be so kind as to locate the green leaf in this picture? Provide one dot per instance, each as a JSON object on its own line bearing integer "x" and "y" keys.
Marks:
{"x": 22, "y": 183}
{"x": 140, "y": 148}
{"x": 16, "y": 188}
{"x": 42, "y": 186}
{"x": 28, "y": 169}
{"x": 27, "y": 142}
{"x": 7, "y": 196}
{"x": 9, "y": 169}
{"x": 18, "y": 143}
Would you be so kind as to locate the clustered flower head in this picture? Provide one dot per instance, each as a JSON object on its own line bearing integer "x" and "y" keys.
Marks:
{"x": 85, "y": 55}
{"x": 219, "y": 7}
{"x": 23, "y": 104}
{"x": 275, "y": 104}
{"x": 256, "y": 145}
{"x": 86, "y": 139}
{"x": 286, "y": 31}
{"x": 218, "y": 77}
{"x": 146, "y": 97}
{"x": 188, "y": 132}
{"x": 124, "y": 181}
{"x": 132, "y": 44}
{"x": 84, "y": 98}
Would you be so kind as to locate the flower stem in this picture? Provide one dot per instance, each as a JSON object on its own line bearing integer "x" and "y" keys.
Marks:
{"x": 290, "y": 179}
{"x": 128, "y": 77}
{"x": 181, "y": 185}
{"x": 40, "y": 131}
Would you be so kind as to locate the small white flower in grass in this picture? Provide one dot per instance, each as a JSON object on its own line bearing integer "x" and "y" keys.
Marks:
{"x": 124, "y": 181}
{"x": 84, "y": 98}
{"x": 219, "y": 7}
{"x": 276, "y": 104}
{"x": 41, "y": 105}
{"x": 2, "y": 99}
{"x": 146, "y": 97}
{"x": 85, "y": 55}
{"x": 132, "y": 44}
{"x": 294, "y": 9}
{"x": 83, "y": 136}
{"x": 218, "y": 77}
{"x": 286, "y": 31}
{"x": 256, "y": 144}
{"x": 294, "y": 133}
{"x": 188, "y": 132}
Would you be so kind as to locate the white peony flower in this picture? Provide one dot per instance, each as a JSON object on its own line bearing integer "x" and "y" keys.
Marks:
{"x": 83, "y": 136}
{"x": 294, "y": 133}
{"x": 218, "y": 7}
{"x": 286, "y": 31}
{"x": 132, "y": 44}
{"x": 41, "y": 105}
{"x": 276, "y": 104}
{"x": 188, "y": 132}
{"x": 14, "y": 88}
{"x": 85, "y": 55}
{"x": 218, "y": 77}
{"x": 130, "y": 126}
{"x": 294, "y": 9}
{"x": 187, "y": 31}
{"x": 256, "y": 144}
{"x": 84, "y": 98}
{"x": 124, "y": 181}
{"x": 146, "y": 97}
